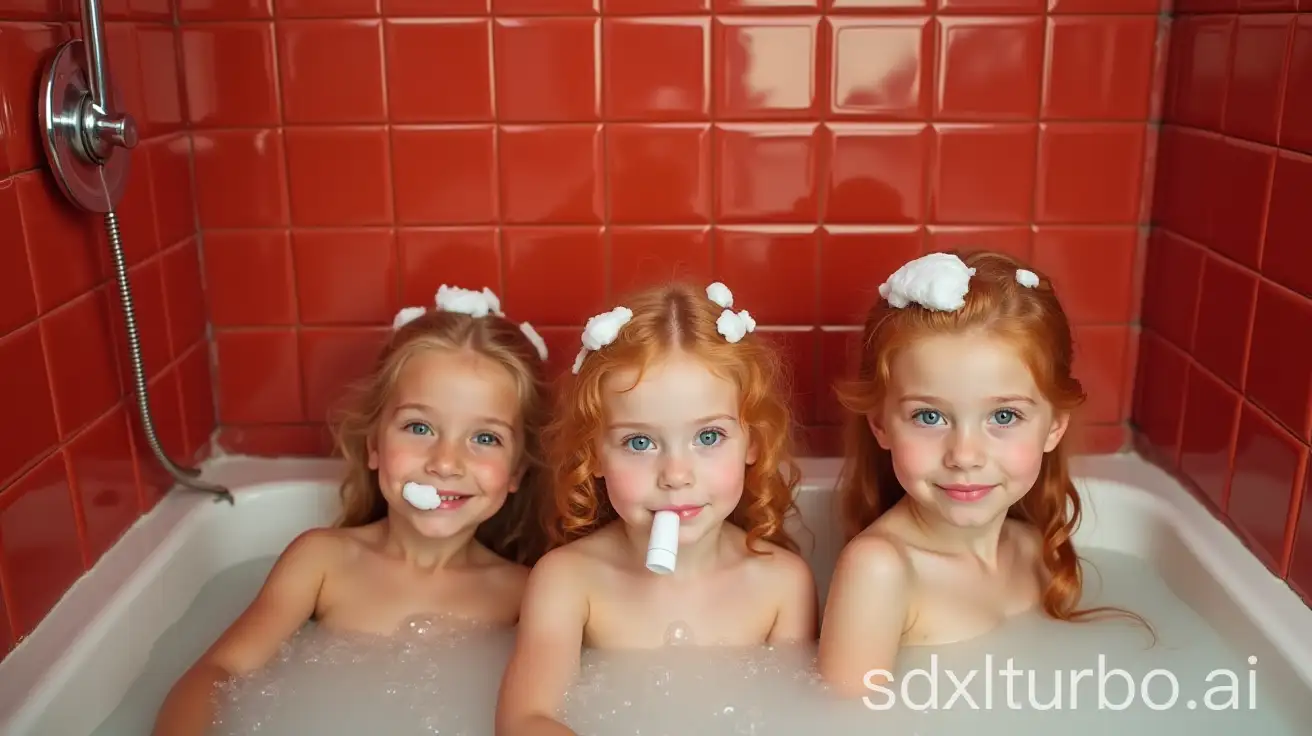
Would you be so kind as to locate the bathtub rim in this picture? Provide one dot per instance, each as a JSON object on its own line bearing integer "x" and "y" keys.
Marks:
{"x": 38, "y": 670}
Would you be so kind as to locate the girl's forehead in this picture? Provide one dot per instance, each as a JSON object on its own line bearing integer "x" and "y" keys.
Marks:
{"x": 676, "y": 378}
{"x": 961, "y": 365}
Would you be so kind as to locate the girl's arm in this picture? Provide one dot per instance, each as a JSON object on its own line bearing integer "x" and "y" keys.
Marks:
{"x": 282, "y": 606}
{"x": 797, "y": 610}
{"x": 547, "y": 649}
{"x": 869, "y": 599}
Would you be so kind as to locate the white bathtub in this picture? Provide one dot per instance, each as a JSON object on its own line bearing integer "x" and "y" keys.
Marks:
{"x": 72, "y": 672}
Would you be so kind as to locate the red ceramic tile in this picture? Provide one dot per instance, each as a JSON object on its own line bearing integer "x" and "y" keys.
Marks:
{"x": 854, "y": 262}
{"x": 28, "y": 402}
{"x": 544, "y": 7}
{"x": 39, "y": 542}
{"x": 463, "y": 191}
{"x": 138, "y": 231}
{"x": 248, "y": 278}
{"x": 240, "y": 178}
{"x": 971, "y": 7}
{"x": 63, "y": 246}
{"x": 1296, "y": 119}
{"x": 551, "y": 174}
{"x": 877, "y": 173}
{"x": 1266, "y": 466}
{"x": 658, "y": 174}
{"x": 1090, "y": 173}
{"x": 1172, "y": 279}
{"x": 230, "y": 73}
{"x": 767, "y": 173}
{"x": 276, "y": 440}
{"x": 192, "y": 10}
{"x": 1105, "y": 6}
{"x": 161, "y": 82}
{"x": 1267, "y": 6}
{"x": 104, "y": 476}
{"x": 415, "y": 48}
{"x": 1016, "y": 240}
{"x": 1286, "y": 257}
{"x": 1280, "y": 368}
{"x": 24, "y": 47}
{"x": 538, "y": 260}
{"x": 1100, "y": 366}
{"x": 7, "y": 638}
{"x": 17, "y": 302}
{"x": 983, "y": 174}
{"x": 175, "y": 202}
{"x": 798, "y": 350}
{"x": 1239, "y": 186}
{"x": 465, "y": 257}
{"x": 1300, "y": 564}
{"x": 1199, "y": 66}
{"x": 327, "y": 8}
{"x": 563, "y": 345}
{"x": 166, "y": 416}
{"x": 764, "y": 6}
{"x": 35, "y": 9}
{"x": 1099, "y": 68}
{"x": 196, "y": 387}
{"x": 772, "y": 271}
{"x": 990, "y": 68}
{"x": 1092, "y": 269}
{"x": 79, "y": 344}
{"x": 124, "y": 62}
{"x": 339, "y": 176}
{"x": 839, "y": 353}
{"x": 1184, "y": 157}
{"x": 151, "y": 313}
{"x": 678, "y": 88}
{"x": 654, "y": 7}
{"x": 345, "y": 276}
{"x": 185, "y": 296}
{"x": 881, "y": 67}
{"x": 891, "y": 6}
{"x": 1097, "y": 439}
{"x": 1211, "y": 420}
{"x": 1223, "y": 326}
{"x": 751, "y": 54}
{"x": 646, "y": 256}
{"x": 1159, "y": 393}
{"x": 1252, "y": 104}
{"x": 333, "y": 360}
{"x": 332, "y": 71}
{"x": 258, "y": 376}
{"x": 546, "y": 69}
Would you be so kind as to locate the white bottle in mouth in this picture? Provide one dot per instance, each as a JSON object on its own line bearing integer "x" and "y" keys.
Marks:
{"x": 663, "y": 545}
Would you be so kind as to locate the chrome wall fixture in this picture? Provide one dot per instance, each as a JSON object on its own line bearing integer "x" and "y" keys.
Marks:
{"x": 88, "y": 142}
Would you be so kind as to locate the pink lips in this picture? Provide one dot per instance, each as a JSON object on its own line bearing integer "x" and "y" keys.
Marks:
{"x": 966, "y": 492}
{"x": 684, "y": 512}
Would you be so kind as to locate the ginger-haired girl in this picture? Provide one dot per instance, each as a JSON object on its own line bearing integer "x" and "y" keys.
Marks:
{"x": 438, "y": 508}
{"x": 956, "y": 495}
{"x": 677, "y": 407}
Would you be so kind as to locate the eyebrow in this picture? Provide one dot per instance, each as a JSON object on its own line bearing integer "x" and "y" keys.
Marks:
{"x": 703, "y": 420}
{"x": 424, "y": 409}
{"x": 921, "y": 399}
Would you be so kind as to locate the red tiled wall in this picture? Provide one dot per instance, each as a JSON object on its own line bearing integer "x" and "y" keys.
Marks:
{"x": 1225, "y": 369}
{"x": 75, "y": 471}
{"x": 353, "y": 155}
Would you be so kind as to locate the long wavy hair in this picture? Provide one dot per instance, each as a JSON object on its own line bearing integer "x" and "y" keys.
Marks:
{"x": 1033, "y": 321}
{"x": 675, "y": 317}
{"x": 515, "y": 531}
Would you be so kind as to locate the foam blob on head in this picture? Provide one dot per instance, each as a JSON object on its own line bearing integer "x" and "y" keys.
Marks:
{"x": 938, "y": 281}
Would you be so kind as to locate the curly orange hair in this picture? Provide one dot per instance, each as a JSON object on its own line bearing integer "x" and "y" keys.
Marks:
{"x": 1031, "y": 319}
{"x": 515, "y": 531}
{"x": 675, "y": 317}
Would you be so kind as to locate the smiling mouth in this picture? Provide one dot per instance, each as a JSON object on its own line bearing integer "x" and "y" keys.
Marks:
{"x": 966, "y": 491}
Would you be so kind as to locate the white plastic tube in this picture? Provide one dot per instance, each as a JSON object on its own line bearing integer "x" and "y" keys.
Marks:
{"x": 663, "y": 546}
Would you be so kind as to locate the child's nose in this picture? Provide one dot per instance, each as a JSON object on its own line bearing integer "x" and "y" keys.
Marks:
{"x": 965, "y": 449}
{"x": 675, "y": 472}
{"x": 446, "y": 460}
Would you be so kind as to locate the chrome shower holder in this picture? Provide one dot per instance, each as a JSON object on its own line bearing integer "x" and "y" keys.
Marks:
{"x": 88, "y": 143}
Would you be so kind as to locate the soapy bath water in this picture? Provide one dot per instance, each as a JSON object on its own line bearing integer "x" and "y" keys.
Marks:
{"x": 441, "y": 677}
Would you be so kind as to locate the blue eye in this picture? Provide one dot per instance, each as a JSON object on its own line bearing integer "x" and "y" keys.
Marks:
{"x": 417, "y": 428}
{"x": 709, "y": 437}
{"x": 486, "y": 438}
{"x": 638, "y": 444}
{"x": 927, "y": 416}
{"x": 1006, "y": 416}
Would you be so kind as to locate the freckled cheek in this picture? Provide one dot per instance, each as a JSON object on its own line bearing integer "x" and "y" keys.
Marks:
{"x": 492, "y": 473}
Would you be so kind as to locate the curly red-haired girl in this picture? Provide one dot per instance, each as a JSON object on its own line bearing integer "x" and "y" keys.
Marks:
{"x": 677, "y": 413}
{"x": 956, "y": 495}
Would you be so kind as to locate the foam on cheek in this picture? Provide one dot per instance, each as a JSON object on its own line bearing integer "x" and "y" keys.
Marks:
{"x": 422, "y": 497}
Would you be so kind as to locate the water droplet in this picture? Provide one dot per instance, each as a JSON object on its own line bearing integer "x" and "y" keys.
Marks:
{"x": 678, "y": 634}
